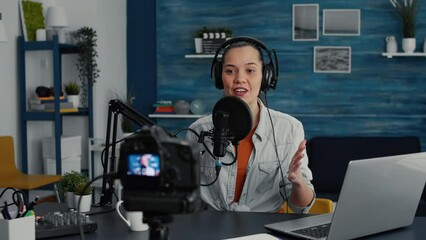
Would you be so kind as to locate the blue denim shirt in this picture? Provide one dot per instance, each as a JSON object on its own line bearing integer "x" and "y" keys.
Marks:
{"x": 261, "y": 190}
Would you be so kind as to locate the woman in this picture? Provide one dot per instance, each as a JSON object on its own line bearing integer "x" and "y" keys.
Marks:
{"x": 255, "y": 182}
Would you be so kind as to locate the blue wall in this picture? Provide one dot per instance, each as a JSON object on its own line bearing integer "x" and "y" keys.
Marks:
{"x": 380, "y": 96}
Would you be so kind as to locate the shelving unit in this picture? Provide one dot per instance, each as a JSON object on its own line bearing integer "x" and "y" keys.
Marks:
{"x": 416, "y": 54}
{"x": 57, "y": 50}
{"x": 201, "y": 55}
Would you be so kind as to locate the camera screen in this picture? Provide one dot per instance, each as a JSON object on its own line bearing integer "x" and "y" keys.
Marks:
{"x": 143, "y": 164}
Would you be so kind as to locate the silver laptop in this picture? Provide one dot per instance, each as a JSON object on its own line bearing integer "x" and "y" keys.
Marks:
{"x": 377, "y": 195}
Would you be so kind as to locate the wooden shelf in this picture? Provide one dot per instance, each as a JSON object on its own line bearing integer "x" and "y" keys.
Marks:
{"x": 175, "y": 115}
{"x": 416, "y": 54}
{"x": 201, "y": 55}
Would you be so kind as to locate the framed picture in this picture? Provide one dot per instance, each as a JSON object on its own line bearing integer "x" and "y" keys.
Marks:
{"x": 305, "y": 22}
{"x": 31, "y": 14}
{"x": 341, "y": 22}
{"x": 332, "y": 59}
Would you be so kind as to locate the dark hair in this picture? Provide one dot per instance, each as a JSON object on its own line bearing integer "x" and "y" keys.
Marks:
{"x": 242, "y": 44}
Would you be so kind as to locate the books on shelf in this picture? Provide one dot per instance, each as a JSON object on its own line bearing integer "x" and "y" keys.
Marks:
{"x": 50, "y": 106}
{"x": 65, "y": 110}
{"x": 40, "y": 100}
{"x": 164, "y": 107}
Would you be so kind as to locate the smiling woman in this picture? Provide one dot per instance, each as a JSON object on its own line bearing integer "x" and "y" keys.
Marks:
{"x": 242, "y": 74}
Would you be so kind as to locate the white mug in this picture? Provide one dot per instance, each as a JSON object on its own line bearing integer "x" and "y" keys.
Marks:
{"x": 134, "y": 219}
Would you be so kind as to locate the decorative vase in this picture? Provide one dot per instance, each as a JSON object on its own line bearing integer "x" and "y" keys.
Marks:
{"x": 85, "y": 204}
{"x": 181, "y": 107}
{"x": 198, "y": 45}
{"x": 409, "y": 45}
{"x": 75, "y": 99}
{"x": 391, "y": 45}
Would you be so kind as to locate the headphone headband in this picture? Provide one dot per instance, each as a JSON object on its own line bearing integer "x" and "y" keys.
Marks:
{"x": 270, "y": 70}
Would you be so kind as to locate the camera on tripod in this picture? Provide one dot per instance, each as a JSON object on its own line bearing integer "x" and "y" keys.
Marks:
{"x": 159, "y": 174}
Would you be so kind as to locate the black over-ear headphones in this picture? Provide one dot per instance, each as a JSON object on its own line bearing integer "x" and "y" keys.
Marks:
{"x": 270, "y": 70}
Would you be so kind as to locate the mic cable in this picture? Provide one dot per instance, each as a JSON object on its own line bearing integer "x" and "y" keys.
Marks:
{"x": 281, "y": 185}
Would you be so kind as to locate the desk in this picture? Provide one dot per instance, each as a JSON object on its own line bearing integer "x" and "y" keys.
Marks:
{"x": 207, "y": 225}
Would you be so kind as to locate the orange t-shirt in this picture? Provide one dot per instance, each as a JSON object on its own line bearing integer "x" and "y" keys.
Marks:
{"x": 244, "y": 150}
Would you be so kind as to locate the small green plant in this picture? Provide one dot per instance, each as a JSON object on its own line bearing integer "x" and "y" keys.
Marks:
{"x": 199, "y": 32}
{"x": 87, "y": 66}
{"x": 72, "y": 88}
{"x": 70, "y": 180}
{"x": 228, "y": 32}
{"x": 81, "y": 188}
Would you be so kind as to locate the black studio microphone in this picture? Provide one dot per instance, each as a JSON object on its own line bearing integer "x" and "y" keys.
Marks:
{"x": 232, "y": 122}
{"x": 221, "y": 133}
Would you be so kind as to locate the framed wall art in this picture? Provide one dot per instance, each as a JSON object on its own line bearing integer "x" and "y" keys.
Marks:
{"x": 305, "y": 22}
{"x": 341, "y": 22}
{"x": 332, "y": 59}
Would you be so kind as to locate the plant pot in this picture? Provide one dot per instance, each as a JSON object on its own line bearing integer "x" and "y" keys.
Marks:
{"x": 70, "y": 199}
{"x": 86, "y": 202}
{"x": 198, "y": 45}
{"x": 409, "y": 45}
{"x": 75, "y": 99}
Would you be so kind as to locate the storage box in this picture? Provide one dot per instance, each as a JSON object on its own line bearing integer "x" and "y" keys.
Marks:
{"x": 68, "y": 164}
{"x": 70, "y": 146}
{"x": 18, "y": 228}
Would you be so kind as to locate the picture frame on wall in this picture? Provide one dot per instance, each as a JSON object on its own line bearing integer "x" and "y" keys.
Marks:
{"x": 305, "y": 22}
{"x": 332, "y": 59}
{"x": 341, "y": 22}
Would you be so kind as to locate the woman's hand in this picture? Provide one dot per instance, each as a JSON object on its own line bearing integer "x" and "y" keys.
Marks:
{"x": 294, "y": 174}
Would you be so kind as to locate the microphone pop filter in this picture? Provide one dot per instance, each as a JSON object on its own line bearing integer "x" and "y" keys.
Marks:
{"x": 240, "y": 119}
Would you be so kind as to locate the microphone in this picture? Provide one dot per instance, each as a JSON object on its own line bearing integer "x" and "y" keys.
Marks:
{"x": 232, "y": 122}
{"x": 220, "y": 133}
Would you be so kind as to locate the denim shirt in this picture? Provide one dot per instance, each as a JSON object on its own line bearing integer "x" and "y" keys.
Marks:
{"x": 261, "y": 191}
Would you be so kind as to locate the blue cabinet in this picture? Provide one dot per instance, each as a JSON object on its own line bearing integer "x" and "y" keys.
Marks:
{"x": 56, "y": 116}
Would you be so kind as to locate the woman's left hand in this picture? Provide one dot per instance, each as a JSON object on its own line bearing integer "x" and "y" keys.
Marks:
{"x": 294, "y": 173}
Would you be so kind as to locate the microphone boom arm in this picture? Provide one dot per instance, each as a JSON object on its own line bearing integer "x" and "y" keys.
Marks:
{"x": 116, "y": 107}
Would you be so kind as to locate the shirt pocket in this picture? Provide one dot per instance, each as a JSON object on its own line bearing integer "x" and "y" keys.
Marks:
{"x": 267, "y": 176}
{"x": 207, "y": 174}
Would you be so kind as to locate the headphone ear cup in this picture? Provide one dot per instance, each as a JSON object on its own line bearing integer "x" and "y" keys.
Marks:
{"x": 217, "y": 75}
{"x": 268, "y": 73}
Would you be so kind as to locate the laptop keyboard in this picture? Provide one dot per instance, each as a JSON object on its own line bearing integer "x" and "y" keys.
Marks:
{"x": 320, "y": 231}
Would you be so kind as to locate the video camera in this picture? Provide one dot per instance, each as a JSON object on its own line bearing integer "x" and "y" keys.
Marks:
{"x": 159, "y": 174}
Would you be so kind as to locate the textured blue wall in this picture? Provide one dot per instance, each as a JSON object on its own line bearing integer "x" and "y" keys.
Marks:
{"x": 379, "y": 97}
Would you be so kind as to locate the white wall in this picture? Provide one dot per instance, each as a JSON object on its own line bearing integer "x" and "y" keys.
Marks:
{"x": 108, "y": 18}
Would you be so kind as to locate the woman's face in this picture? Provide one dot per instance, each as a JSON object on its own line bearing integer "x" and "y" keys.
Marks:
{"x": 242, "y": 74}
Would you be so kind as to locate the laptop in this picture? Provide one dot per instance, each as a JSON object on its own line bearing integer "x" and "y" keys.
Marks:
{"x": 378, "y": 194}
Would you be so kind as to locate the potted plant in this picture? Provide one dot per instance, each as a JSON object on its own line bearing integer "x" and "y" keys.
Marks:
{"x": 228, "y": 33}
{"x": 407, "y": 11}
{"x": 73, "y": 90}
{"x": 87, "y": 66}
{"x": 68, "y": 184}
{"x": 83, "y": 191}
{"x": 198, "y": 39}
